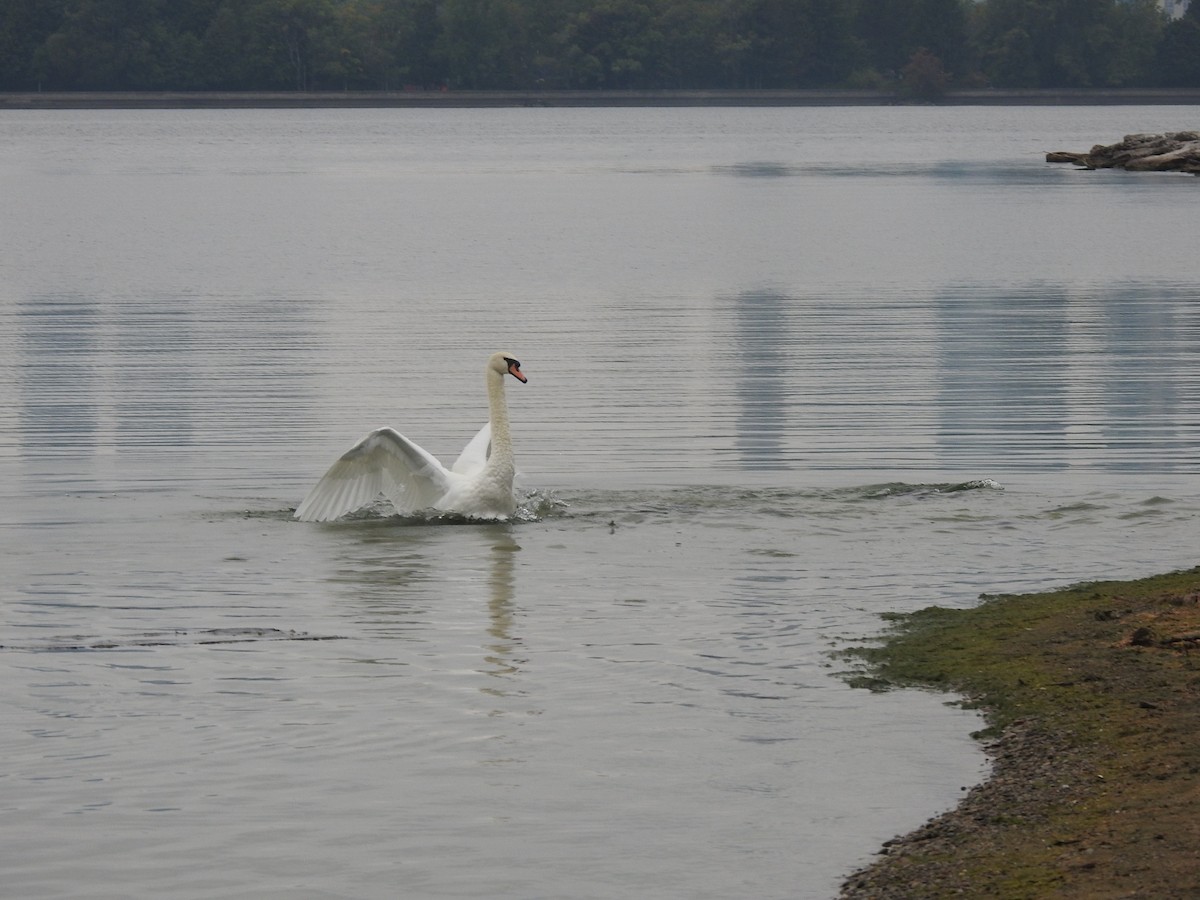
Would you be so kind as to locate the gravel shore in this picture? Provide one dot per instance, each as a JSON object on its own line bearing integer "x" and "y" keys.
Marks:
{"x": 1093, "y": 697}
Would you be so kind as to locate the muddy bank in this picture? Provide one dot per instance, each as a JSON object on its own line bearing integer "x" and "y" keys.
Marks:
{"x": 475, "y": 99}
{"x": 1092, "y": 695}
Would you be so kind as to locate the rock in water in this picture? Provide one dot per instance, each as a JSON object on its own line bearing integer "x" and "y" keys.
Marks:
{"x": 1177, "y": 151}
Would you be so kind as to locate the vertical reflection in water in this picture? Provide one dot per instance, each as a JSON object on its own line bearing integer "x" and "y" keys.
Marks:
{"x": 761, "y": 337}
{"x": 160, "y": 342}
{"x": 124, "y": 377}
{"x": 386, "y": 578}
{"x": 501, "y": 580}
{"x": 1148, "y": 352}
{"x": 1048, "y": 377}
{"x": 421, "y": 583}
{"x": 55, "y": 377}
{"x": 98, "y": 376}
{"x": 1004, "y": 377}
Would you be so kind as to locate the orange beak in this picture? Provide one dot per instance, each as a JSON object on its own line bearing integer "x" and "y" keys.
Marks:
{"x": 515, "y": 371}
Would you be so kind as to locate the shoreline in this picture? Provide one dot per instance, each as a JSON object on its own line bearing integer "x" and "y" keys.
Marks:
{"x": 417, "y": 99}
{"x": 1092, "y": 699}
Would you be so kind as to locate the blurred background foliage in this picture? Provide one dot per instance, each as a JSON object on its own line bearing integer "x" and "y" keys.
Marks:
{"x": 917, "y": 47}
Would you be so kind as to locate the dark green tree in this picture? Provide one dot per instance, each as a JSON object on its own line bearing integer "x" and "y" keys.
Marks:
{"x": 894, "y": 30}
{"x": 486, "y": 43}
{"x": 25, "y": 25}
{"x": 1178, "y": 60}
{"x": 1137, "y": 26}
{"x": 835, "y": 49}
{"x": 883, "y": 27}
{"x": 496, "y": 44}
{"x": 612, "y": 44}
{"x": 1068, "y": 43}
{"x": 940, "y": 27}
{"x": 689, "y": 29}
{"x": 120, "y": 45}
{"x": 396, "y": 43}
{"x": 786, "y": 43}
{"x": 270, "y": 44}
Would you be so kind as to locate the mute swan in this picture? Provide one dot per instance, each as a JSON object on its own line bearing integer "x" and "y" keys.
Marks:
{"x": 386, "y": 462}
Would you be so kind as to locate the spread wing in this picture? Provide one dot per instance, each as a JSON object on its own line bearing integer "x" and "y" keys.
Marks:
{"x": 476, "y": 453}
{"x": 384, "y": 462}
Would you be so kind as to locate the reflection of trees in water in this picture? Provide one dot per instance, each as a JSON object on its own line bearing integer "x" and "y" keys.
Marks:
{"x": 153, "y": 371}
{"x": 1045, "y": 377}
{"x": 56, "y": 376}
{"x": 1003, "y": 375}
{"x": 1151, "y": 389}
{"x": 761, "y": 339}
{"x": 1033, "y": 377}
{"x": 103, "y": 374}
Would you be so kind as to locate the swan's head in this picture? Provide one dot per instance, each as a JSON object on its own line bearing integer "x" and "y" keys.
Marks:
{"x": 506, "y": 364}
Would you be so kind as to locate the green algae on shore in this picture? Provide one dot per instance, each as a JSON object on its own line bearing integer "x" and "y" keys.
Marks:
{"x": 1092, "y": 698}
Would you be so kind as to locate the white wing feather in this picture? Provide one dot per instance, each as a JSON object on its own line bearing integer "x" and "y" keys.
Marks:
{"x": 475, "y": 454}
{"x": 384, "y": 462}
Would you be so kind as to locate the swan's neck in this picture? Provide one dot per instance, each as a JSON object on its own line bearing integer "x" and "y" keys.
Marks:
{"x": 502, "y": 450}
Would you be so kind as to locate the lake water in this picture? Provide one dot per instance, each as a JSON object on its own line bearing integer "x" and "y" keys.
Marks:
{"x": 788, "y": 369}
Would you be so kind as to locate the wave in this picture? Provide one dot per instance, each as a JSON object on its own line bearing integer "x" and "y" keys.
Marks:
{"x": 903, "y": 489}
{"x": 176, "y": 637}
{"x": 536, "y": 505}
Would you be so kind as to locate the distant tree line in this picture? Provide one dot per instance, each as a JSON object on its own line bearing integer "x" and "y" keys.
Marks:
{"x": 922, "y": 46}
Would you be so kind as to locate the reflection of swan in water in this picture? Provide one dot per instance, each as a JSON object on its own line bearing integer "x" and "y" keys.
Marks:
{"x": 385, "y": 462}
{"x": 424, "y": 595}
{"x": 499, "y": 653}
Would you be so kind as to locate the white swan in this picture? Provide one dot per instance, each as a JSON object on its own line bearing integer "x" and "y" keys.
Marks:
{"x": 479, "y": 484}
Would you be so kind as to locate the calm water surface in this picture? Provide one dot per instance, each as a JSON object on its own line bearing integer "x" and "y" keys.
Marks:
{"x": 789, "y": 369}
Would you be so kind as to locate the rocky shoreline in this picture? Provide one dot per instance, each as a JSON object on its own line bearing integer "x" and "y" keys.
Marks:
{"x": 1093, "y": 698}
{"x": 1177, "y": 151}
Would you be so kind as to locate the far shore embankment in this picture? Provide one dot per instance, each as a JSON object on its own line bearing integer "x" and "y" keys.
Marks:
{"x": 482, "y": 99}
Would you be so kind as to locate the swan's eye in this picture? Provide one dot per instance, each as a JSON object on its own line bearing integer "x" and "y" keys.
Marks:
{"x": 512, "y": 362}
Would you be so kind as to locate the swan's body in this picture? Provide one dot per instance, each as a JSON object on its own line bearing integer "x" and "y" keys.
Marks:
{"x": 479, "y": 484}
